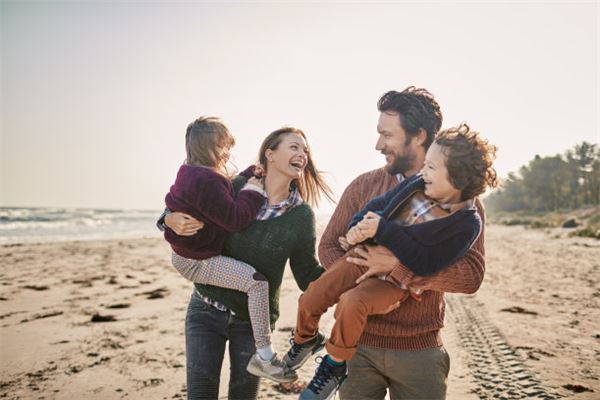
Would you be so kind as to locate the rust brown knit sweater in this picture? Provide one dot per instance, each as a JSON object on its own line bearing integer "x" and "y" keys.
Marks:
{"x": 414, "y": 325}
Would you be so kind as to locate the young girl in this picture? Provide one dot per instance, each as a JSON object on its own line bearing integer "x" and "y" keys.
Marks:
{"x": 428, "y": 221}
{"x": 203, "y": 191}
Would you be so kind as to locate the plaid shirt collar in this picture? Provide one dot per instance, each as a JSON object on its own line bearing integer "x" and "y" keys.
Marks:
{"x": 271, "y": 211}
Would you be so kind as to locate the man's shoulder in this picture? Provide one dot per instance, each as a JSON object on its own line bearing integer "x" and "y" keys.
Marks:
{"x": 379, "y": 173}
{"x": 377, "y": 177}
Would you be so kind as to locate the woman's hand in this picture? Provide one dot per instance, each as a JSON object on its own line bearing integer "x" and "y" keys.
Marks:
{"x": 183, "y": 224}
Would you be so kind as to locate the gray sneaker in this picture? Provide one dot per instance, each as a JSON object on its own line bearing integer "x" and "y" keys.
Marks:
{"x": 299, "y": 353}
{"x": 275, "y": 369}
{"x": 325, "y": 383}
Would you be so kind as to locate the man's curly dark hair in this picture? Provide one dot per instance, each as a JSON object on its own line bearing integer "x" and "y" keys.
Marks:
{"x": 469, "y": 160}
{"x": 418, "y": 110}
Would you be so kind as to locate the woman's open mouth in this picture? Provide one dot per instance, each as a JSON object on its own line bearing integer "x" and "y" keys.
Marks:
{"x": 297, "y": 165}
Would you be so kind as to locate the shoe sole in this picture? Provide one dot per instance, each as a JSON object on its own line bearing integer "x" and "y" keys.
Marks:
{"x": 314, "y": 351}
{"x": 275, "y": 379}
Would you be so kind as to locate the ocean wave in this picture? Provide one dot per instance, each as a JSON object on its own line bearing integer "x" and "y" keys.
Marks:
{"x": 50, "y": 224}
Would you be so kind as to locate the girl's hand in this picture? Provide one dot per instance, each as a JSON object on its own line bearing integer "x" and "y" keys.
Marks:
{"x": 368, "y": 226}
{"x": 259, "y": 171}
{"x": 183, "y": 224}
{"x": 256, "y": 182}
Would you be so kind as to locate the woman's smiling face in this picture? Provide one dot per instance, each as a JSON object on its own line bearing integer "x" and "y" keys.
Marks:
{"x": 290, "y": 157}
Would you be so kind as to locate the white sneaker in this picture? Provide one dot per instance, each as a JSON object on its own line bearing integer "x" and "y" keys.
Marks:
{"x": 274, "y": 369}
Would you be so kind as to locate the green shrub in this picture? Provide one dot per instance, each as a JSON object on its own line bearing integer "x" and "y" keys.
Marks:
{"x": 587, "y": 232}
{"x": 570, "y": 223}
{"x": 516, "y": 221}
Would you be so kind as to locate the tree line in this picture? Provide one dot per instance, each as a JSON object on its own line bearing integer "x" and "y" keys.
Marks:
{"x": 562, "y": 182}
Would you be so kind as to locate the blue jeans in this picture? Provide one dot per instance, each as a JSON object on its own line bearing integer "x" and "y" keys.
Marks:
{"x": 207, "y": 329}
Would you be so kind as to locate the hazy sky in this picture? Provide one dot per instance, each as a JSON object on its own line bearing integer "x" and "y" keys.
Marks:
{"x": 96, "y": 95}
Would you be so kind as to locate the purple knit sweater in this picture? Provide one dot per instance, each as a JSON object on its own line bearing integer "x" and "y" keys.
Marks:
{"x": 208, "y": 196}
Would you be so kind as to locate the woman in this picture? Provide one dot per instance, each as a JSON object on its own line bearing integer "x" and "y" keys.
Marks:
{"x": 284, "y": 230}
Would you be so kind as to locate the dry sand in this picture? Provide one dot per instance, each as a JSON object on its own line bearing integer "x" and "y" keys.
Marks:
{"x": 50, "y": 294}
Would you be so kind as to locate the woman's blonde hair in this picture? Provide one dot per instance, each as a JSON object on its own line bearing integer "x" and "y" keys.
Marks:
{"x": 312, "y": 184}
{"x": 202, "y": 138}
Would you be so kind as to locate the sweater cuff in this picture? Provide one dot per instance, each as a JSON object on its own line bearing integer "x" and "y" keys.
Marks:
{"x": 401, "y": 275}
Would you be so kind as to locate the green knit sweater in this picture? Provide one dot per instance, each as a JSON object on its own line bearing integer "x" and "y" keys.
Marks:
{"x": 267, "y": 246}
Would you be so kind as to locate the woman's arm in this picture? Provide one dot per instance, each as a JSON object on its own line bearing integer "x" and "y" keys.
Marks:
{"x": 329, "y": 245}
{"x": 303, "y": 260}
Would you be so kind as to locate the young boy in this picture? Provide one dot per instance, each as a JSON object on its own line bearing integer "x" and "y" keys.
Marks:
{"x": 428, "y": 222}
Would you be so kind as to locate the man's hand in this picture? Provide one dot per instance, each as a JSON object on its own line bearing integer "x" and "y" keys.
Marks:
{"x": 378, "y": 259}
{"x": 183, "y": 224}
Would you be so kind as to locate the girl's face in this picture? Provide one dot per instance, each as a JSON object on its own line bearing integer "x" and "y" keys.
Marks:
{"x": 435, "y": 175}
{"x": 222, "y": 153}
{"x": 290, "y": 157}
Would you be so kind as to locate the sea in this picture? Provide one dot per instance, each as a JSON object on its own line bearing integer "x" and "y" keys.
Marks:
{"x": 34, "y": 225}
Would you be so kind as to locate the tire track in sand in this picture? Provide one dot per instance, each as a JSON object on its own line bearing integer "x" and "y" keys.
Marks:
{"x": 496, "y": 369}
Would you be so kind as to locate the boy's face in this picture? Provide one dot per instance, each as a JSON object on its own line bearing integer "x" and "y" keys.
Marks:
{"x": 435, "y": 175}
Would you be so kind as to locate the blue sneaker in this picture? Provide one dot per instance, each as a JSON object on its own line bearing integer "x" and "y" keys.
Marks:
{"x": 325, "y": 383}
{"x": 299, "y": 353}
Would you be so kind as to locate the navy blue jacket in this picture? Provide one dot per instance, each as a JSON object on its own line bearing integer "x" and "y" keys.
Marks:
{"x": 424, "y": 248}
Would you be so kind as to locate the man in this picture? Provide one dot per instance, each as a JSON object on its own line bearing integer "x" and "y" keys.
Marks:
{"x": 401, "y": 351}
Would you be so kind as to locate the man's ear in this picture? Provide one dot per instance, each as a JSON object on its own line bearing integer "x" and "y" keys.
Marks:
{"x": 420, "y": 138}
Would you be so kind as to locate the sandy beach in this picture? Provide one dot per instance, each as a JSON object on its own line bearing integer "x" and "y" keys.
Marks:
{"x": 104, "y": 320}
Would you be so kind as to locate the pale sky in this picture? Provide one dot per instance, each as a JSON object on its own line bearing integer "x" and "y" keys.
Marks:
{"x": 96, "y": 95}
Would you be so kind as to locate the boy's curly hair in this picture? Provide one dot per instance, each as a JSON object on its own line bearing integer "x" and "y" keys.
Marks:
{"x": 469, "y": 160}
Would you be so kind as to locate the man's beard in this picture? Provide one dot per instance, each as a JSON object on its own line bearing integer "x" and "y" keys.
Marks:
{"x": 401, "y": 164}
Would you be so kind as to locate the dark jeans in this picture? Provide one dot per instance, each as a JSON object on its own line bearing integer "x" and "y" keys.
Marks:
{"x": 206, "y": 332}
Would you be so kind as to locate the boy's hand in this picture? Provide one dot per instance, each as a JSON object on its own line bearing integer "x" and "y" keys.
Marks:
{"x": 344, "y": 243}
{"x": 355, "y": 235}
{"x": 183, "y": 224}
{"x": 368, "y": 226}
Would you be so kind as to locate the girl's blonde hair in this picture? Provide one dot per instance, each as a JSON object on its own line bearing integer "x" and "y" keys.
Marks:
{"x": 202, "y": 138}
{"x": 312, "y": 184}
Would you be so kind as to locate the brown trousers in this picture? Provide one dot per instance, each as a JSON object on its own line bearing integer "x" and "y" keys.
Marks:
{"x": 354, "y": 304}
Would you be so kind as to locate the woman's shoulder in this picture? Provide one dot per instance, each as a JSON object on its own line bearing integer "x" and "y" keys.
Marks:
{"x": 303, "y": 209}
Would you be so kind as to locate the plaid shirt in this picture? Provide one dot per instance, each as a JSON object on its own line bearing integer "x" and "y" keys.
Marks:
{"x": 271, "y": 211}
